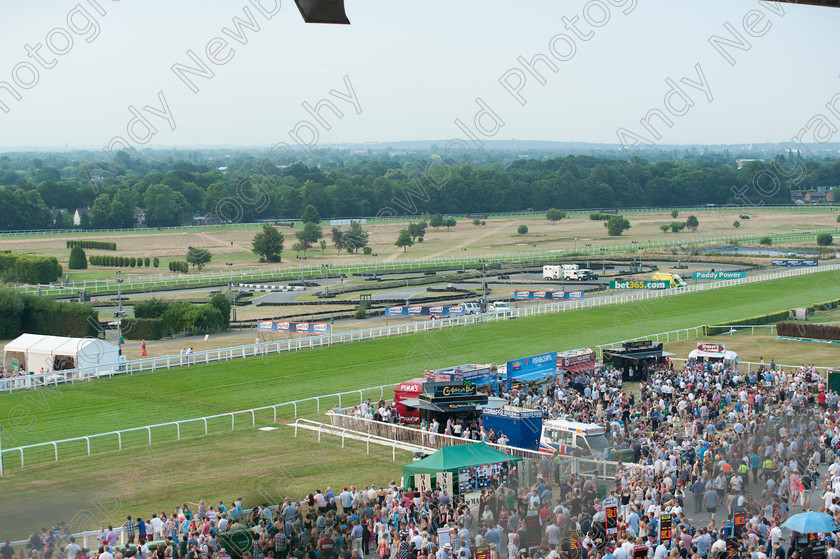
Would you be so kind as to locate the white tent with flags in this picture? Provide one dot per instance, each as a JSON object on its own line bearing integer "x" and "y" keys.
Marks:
{"x": 35, "y": 352}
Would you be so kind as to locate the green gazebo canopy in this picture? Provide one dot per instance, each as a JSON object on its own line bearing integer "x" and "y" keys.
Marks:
{"x": 451, "y": 458}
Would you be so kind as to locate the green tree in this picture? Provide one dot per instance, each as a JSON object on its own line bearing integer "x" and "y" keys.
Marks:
{"x": 78, "y": 259}
{"x": 692, "y": 223}
{"x": 416, "y": 230}
{"x": 213, "y": 197}
{"x": 665, "y": 227}
{"x": 198, "y": 257}
{"x": 299, "y": 247}
{"x": 476, "y": 222}
{"x": 268, "y": 243}
{"x": 164, "y": 206}
{"x": 677, "y": 226}
{"x": 736, "y": 224}
{"x": 675, "y": 213}
{"x": 356, "y": 237}
{"x": 522, "y": 229}
{"x": 337, "y": 239}
{"x": 310, "y": 215}
{"x": 101, "y": 212}
{"x": 449, "y": 222}
{"x": 222, "y": 301}
{"x": 404, "y": 239}
{"x": 309, "y": 235}
{"x": 825, "y": 239}
{"x": 123, "y": 209}
{"x": 554, "y": 215}
{"x": 323, "y": 244}
{"x": 436, "y": 221}
{"x": 765, "y": 241}
{"x": 616, "y": 225}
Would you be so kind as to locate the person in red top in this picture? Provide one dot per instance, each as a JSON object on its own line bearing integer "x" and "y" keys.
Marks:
{"x": 327, "y": 546}
{"x": 545, "y": 513}
{"x": 821, "y": 399}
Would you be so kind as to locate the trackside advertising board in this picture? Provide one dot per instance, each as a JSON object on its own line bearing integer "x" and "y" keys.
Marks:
{"x": 795, "y": 263}
{"x": 314, "y": 328}
{"x": 442, "y": 310}
{"x": 551, "y": 295}
{"x": 718, "y": 275}
{"x": 531, "y": 368}
{"x": 640, "y": 284}
{"x": 481, "y": 377}
{"x": 522, "y": 428}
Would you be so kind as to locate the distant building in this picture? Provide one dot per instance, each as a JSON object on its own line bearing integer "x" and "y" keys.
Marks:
{"x": 821, "y": 195}
{"x": 57, "y": 212}
{"x": 77, "y": 217}
{"x": 139, "y": 218}
{"x": 815, "y": 196}
{"x": 208, "y": 220}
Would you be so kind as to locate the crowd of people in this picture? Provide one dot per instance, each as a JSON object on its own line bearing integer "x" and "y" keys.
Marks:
{"x": 706, "y": 441}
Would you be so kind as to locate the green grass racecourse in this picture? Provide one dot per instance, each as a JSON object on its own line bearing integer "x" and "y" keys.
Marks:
{"x": 29, "y": 417}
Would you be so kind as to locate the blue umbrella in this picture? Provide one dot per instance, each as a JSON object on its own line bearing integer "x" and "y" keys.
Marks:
{"x": 811, "y": 523}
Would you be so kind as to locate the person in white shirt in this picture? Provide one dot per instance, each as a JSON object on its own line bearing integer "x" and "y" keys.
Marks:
{"x": 775, "y": 534}
{"x": 72, "y": 549}
{"x": 157, "y": 527}
{"x": 660, "y": 552}
{"x": 719, "y": 546}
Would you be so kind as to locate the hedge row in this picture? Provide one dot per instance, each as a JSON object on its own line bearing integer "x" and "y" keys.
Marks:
{"x": 122, "y": 261}
{"x": 600, "y": 216}
{"x": 29, "y": 268}
{"x": 804, "y": 330}
{"x": 142, "y": 328}
{"x": 824, "y": 306}
{"x": 179, "y": 266}
{"x": 39, "y": 315}
{"x": 768, "y": 318}
{"x": 96, "y": 245}
{"x": 181, "y": 316}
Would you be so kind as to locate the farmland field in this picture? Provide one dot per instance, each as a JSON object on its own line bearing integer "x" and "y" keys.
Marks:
{"x": 232, "y": 244}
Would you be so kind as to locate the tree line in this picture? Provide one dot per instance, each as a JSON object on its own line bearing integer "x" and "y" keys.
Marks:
{"x": 167, "y": 192}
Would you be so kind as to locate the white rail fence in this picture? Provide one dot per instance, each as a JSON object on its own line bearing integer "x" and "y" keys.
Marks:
{"x": 55, "y": 378}
{"x": 402, "y": 437}
{"x": 403, "y": 434}
{"x": 298, "y": 272}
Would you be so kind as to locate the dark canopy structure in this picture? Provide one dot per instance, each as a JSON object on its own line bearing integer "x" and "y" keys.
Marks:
{"x": 323, "y": 11}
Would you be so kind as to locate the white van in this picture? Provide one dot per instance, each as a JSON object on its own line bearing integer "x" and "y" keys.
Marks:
{"x": 573, "y": 438}
{"x": 472, "y": 308}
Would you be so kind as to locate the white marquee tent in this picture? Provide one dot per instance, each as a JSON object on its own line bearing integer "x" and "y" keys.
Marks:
{"x": 51, "y": 353}
{"x": 725, "y": 355}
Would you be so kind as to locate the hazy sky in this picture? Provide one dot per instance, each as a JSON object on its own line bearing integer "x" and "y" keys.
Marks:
{"x": 413, "y": 68}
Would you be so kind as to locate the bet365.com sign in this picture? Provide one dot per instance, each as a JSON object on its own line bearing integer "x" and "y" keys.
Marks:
{"x": 639, "y": 284}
